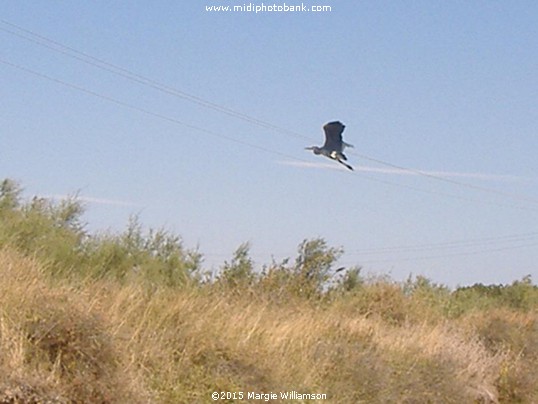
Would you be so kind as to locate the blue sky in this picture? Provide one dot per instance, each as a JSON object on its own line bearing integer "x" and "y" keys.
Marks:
{"x": 445, "y": 88}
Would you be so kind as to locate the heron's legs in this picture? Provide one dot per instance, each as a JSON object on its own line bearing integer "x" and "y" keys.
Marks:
{"x": 347, "y": 165}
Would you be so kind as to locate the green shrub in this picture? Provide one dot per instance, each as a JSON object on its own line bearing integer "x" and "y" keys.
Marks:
{"x": 54, "y": 232}
{"x": 240, "y": 270}
{"x": 520, "y": 295}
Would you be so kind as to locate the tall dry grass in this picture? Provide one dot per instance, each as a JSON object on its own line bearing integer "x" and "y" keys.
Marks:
{"x": 106, "y": 341}
{"x": 54, "y": 345}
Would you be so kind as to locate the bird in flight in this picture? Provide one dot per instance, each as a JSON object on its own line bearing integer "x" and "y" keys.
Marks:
{"x": 334, "y": 145}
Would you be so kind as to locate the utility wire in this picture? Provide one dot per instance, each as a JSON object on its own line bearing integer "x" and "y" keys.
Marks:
{"x": 145, "y": 111}
{"x": 461, "y": 244}
{"x": 450, "y": 255}
{"x": 494, "y": 243}
{"x": 447, "y": 245}
{"x": 125, "y": 73}
{"x": 248, "y": 144}
{"x": 448, "y": 180}
{"x": 348, "y": 263}
{"x": 102, "y": 64}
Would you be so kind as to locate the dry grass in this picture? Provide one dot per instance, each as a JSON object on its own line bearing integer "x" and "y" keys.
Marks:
{"x": 54, "y": 346}
{"x": 105, "y": 342}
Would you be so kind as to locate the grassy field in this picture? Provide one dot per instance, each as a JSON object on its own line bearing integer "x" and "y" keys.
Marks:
{"x": 133, "y": 317}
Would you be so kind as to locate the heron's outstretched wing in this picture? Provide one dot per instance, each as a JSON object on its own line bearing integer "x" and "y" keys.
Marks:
{"x": 333, "y": 136}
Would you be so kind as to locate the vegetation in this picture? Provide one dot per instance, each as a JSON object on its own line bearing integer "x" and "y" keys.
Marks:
{"x": 132, "y": 317}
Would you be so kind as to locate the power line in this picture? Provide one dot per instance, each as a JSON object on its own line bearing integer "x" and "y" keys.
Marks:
{"x": 125, "y": 73}
{"x": 447, "y": 195}
{"x": 145, "y": 111}
{"x": 448, "y": 245}
{"x": 450, "y": 255}
{"x": 496, "y": 243}
{"x": 235, "y": 140}
{"x": 207, "y": 104}
{"x": 349, "y": 263}
{"x": 448, "y": 180}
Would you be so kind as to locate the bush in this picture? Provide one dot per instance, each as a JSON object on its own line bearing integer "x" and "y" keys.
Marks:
{"x": 54, "y": 233}
{"x": 51, "y": 231}
{"x": 126, "y": 317}
{"x": 156, "y": 257}
{"x": 520, "y": 295}
{"x": 240, "y": 271}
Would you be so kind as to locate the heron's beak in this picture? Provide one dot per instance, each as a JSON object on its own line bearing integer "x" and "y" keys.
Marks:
{"x": 309, "y": 148}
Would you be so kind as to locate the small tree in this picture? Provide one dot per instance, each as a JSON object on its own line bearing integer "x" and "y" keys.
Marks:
{"x": 314, "y": 265}
{"x": 9, "y": 195}
{"x": 241, "y": 268}
{"x": 352, "y": 280}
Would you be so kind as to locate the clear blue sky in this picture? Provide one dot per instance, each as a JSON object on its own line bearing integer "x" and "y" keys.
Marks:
{"x": 448, "y": 88}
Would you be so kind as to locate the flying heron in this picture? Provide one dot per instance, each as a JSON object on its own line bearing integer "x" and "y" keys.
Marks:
{"x": 334, "y": 145}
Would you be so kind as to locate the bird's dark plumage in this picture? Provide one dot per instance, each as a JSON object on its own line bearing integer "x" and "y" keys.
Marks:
{"x": 333, "y": 135}
{"x": 334, "y": 145}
